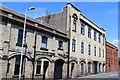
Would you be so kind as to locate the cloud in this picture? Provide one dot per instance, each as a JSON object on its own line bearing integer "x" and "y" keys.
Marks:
{"x": 116, "y": 42}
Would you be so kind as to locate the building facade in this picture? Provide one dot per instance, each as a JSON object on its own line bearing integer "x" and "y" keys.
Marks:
{"x": 45, "y": 48}
{"x": 111, "y": 57}
{"x": 87, "y": 40}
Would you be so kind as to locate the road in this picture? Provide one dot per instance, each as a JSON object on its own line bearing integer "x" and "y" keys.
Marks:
{"x": 101, "y": 76}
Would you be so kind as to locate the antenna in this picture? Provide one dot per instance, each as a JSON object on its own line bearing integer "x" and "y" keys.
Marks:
{"x": 47, "y": 15}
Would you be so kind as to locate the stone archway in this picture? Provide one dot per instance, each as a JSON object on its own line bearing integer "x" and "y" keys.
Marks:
{"x": 58, "y": 69}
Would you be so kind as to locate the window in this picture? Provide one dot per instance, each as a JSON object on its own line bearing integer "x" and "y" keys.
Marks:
{"x": 60, "y": 45}
{"x": 72, "y": 67}
{"x": 89, "y": 67}
{"x": 82, "y": 47}
{"x": 95, "y": 36}
{"x": 89, "y": 49}
{"x": 17, "y": 65}
{"x": 103, "y": 40}
{"x": 95, "y": 51}
{"x": 99, "y": 52}
{"x": 74, "y": 24}
{"x": 38, "y": 67}
{"x": 73, "y": 45}
{"x": 82, "y": 29}
{"x": 89, "y": 32}
{"x": 99, "y": 39}
{"x": 20, "y": 37}
{"x": 103, "y": 53}
{"x": 45, "y": 66}
{"x": 44, "y": 42}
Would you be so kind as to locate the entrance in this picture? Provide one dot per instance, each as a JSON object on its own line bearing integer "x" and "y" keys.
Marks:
{"x": 95, "y": 67}
{"x": 46, "y": 63}
{"x": 58, "y": 69}
{"x": 82, "y": 68}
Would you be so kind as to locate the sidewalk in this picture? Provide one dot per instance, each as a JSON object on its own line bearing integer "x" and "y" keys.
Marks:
{"x": 103, "y": 75}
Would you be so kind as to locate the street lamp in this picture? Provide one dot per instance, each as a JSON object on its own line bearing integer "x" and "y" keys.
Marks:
{"x": 23, "y": 42}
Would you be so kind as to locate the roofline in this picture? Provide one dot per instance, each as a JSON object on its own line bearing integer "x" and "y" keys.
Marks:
{"x": 73, "y": 6}
{"x": 30, "y": 19}
{"x": 93, "y": 23}
{"x": 111, "y": 44}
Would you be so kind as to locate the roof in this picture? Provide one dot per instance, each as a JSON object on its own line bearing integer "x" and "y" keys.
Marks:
{"x": 35, "y": 21}
{"x": 108, "y": 43}
{"x": 73, "y": 6}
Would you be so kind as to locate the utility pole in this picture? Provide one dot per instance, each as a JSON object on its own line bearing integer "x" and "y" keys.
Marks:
{"x": 33, "y": 60}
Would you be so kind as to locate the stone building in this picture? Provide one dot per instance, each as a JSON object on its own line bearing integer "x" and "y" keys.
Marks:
{"x": 50, "y": 51}
{"x": 87, "y": 40}
{"x": 111, "y": 57}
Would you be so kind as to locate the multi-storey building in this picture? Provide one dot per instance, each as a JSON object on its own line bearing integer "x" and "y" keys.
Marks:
{"x": 111, "y": 57}
{"x": 87, "y": 40}
{"x": 46, "y": 47}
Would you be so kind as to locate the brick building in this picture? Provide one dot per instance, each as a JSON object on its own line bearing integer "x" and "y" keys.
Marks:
{"x": 111, "y": 57}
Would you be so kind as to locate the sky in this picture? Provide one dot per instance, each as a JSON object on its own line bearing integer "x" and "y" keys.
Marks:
{"x": 103, "y": 14}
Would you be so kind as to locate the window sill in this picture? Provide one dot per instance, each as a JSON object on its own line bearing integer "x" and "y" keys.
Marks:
{"x": 73, "y": 51}
{"x": 17, "y": 76}
{"x": 74, "y": 30}
{"x": 60, "y": 49}
{"x": 44, "y": 49}
{"x": 18, "y": 44}
{"x": 38, "y": 74}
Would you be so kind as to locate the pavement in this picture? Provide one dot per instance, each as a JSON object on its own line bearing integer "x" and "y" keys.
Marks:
{"x": 102, "y": 76}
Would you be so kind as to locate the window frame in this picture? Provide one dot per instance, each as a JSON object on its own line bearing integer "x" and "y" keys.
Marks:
{"x": 74, "y": 25}
{"x": 38, "y": 67}
{"x": 44, "y": 42}
{"x": 99, "y": 52}
{"x": 60, "y": 42}
{"x": 89, "y": 49}
{"x": 73, "y": 45}
{"x": 95, "y": 35}
{"x": 20, "y": 37}
{"x": 82, "y": 29}
{"x": 82, "y": 47}
{"x": 94, "y": 50}
{"x": 89, "y": 32}
{"x": 99, "y": 38}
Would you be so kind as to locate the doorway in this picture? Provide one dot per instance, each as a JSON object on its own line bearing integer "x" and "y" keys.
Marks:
{"x": 58, "y": 69}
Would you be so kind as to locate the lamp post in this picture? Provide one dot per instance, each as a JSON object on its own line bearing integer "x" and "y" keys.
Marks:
{"x": 23, "y": 42}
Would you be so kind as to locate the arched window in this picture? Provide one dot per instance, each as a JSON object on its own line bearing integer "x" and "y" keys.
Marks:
{"x": 74, "y": 22}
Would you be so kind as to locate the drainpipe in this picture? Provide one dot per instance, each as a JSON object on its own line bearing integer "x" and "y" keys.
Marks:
{"x": 68, "y": 59}
{"x": 33, "y": 60}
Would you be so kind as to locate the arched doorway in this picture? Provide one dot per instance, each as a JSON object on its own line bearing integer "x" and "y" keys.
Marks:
{"x": 82, "y": 68}
{"x": 58, "y": 69}
{"x": 89, "y": 67}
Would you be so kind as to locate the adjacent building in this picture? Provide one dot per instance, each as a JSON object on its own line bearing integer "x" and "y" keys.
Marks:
{"x": 45, "y": 46}
{"x": 111, "y": 57}
{"x": 87, "y": 40}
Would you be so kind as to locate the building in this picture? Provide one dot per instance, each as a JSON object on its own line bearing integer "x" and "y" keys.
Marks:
{"x": 45, "y": 49}
{"x": 87, "y": 40}
{"x": 111, "y": 57}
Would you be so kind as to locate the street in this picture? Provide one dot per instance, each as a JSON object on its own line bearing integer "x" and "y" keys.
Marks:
{"x": 102, "y": 76}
